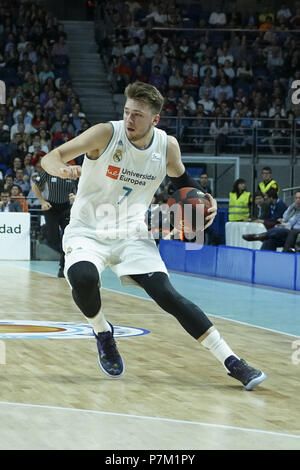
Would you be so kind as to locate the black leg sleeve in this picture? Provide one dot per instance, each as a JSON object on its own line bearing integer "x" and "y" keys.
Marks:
{"x": 191, "y": 317}
{"x": 84, "y": 279}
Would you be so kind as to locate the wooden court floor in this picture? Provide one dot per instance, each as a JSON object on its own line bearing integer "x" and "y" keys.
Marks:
{"x": 174, "y": 394}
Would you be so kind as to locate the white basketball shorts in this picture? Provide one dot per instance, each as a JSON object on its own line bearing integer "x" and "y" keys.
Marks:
{"x": 123, "y": 256}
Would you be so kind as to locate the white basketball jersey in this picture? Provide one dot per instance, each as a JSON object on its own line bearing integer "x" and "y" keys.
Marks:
{"x": 115, "y": 191}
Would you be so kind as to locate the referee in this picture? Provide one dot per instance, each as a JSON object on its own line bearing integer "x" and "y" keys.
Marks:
{"x": 56, "y": 208}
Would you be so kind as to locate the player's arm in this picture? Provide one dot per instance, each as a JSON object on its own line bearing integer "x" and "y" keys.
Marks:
{"x": 180, "y": 178}
{"x": 92, "y": 142}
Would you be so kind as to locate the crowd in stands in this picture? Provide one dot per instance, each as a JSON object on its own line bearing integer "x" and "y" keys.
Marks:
{"x": 42, "y": 111}
{"x": 220, "y": 85}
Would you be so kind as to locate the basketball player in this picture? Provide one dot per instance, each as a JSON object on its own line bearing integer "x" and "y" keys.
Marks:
{"x": 125, "y": 162}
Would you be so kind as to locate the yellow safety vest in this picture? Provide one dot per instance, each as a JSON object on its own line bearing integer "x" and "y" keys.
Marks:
{"x": 264, "y": 188}
{"x": 239, "y": 206}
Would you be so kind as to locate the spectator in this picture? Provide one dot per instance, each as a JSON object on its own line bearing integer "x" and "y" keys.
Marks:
{"x": 150, "y": 48}
{"x": 283, "y": 13}
{"x": 45, "y": 73}
{"x": 260, "y": 208}
{"x": 223, "y": 87}
{"x": 239, "y": 202}
{"x": 268, "y": 182}
{"x": 23, "y": 181}
{"x": 284, "y": 233}
{"x": 6, "y": 205}
{"x": 204, "y": 183}
{"x": 17, "y": 195}
{"x": 207, "y": 103}
{"x": 275, "y": 211}
{"x": 20, "y": 127}
{"x": 139, "y": 75}
{"x": 217, "y": 18}
{"x": 219, "y": 129}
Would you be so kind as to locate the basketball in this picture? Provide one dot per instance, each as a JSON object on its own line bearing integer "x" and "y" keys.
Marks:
{"x": 188, "y": 209}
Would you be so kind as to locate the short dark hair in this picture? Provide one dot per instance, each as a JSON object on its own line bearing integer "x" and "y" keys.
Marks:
{"x": 258, "y": 194}
{"x": 272, "y": 193}
{"x": 267, "y": 168}
{"x": 146, "y": 93}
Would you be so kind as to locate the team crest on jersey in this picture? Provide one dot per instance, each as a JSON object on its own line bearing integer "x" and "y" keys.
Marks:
{"x": 156, "y": 157}
{"x": 117, "y": 156}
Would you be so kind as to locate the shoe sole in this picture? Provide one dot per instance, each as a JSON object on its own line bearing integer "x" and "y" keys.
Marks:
{"x": 253, "y": 383}
{"x": 108, "y": 374}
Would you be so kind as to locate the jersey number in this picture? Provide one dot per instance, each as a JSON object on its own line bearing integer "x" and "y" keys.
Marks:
{"x": 127, "y": 192}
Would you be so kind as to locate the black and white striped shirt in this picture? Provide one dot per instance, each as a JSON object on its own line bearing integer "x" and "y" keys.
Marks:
{"x": 58, "y": 189}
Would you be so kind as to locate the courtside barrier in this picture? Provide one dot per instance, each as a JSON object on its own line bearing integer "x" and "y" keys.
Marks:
{"x": 235, "y": 263}
{"x": 267, "y": 268}
{"x": 275, "y": 269}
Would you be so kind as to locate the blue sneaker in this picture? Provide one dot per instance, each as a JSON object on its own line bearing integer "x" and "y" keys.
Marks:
{"x": 110, "y": 360}
{"x": 246, "y": 374}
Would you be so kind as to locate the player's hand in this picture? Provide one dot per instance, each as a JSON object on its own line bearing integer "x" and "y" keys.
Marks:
{"x": 46, "y": 205}
{"x": 212, "y": 211}
{"x": 72, "y": 172}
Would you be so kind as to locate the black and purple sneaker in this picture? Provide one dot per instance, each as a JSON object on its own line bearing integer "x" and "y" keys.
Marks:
{"x": 110, "y": 360}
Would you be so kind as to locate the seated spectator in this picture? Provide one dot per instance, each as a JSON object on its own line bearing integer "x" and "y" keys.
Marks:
{"x": 278, "y": 133}
{"x": 21, "y": 127}
{"x": 191, "y": 82}
{"x": 207, "y": 103}
{"x": 283, "y": 13}
{"x": 28, "y": 167}
{"x": 223, "y": 87}
{"x": 284, "y": 233}
{"x": 158, "y": 79}
{"x": 207, "y": 65}
{"x": 17, "y": 195}
{"x": 23, "y": 181}
{"x": 61, "y": 137}
{"x": 260, "y": 208}
{"x": 217, "y": 18}
{"x": 36, "y": 144}
{"x": 219, "y": 129}
{"x": 275, "y": 60}
{"x": 245, "y": 72}
{"x": 122, "y": 73}
{"x": 223, "y": 55}
{"x": 229, "y": 70}
{"x": 275, "y": 211}
{"x": 161, "y": 61}
{"x": 207, "y": 86}
{"x": 199, "y": 128}
{"x": 176, "y": 80}
{"x": 139, "y": 75}
{"x": 6, "y": 205}
{"x": 133, "y": 47}
{"x": 268, "y": 182}
{"x": 239, "y": 202}
{"x": 149, "y": 48}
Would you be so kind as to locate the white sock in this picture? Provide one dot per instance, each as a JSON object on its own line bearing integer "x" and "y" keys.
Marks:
{"x": 99, "y": 323}
{"x": 218, "y": 347}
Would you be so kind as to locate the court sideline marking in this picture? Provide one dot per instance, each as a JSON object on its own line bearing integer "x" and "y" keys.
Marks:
{"x": 151, "y": 418}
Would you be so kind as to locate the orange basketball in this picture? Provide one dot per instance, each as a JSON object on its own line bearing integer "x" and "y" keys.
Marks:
{"x": 188, "y": 209}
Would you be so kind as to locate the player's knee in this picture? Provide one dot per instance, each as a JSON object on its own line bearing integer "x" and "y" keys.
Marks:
{"x": 83, "y": 277}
